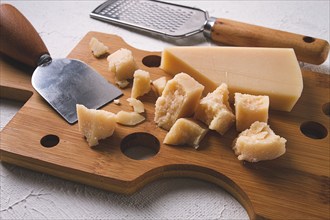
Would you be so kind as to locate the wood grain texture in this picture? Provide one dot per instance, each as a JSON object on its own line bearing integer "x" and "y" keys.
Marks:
{"x": 307, "y": 49}
{"x": 294, "y": 186}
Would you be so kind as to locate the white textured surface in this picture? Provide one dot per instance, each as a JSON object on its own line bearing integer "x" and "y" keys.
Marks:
{"x": 27, "y": 194}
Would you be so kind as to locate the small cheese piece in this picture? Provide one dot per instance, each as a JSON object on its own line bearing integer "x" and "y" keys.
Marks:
{"x": 95, "y": 124}
{"x": 257, "y": 71}
{"x": 136, "y": 104}
{"x": 179, "y": 99}
{"x": 185, "y": 131}
{"x": 141, "y": 83}
{"x": 214, "y": 110}
{"x": 122, "y": 63}
{"x": 116, "y": 101}
{"x": 97, "y": 47}
{"x": 259, "y": 142}
{"x": 250, "y": 108}
{"x": 159, "y": 85}
{"x": 129, "y": 118}
{"x": 122, "y": 83}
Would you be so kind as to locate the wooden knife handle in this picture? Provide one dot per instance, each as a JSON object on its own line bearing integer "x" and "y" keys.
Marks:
{"x": 19, "y": 39}
{"x": 307, "y": 49}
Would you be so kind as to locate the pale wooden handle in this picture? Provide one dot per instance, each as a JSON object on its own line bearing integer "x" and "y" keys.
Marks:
{"x": 307, "y": 49}
{"x": 19, "y": 39}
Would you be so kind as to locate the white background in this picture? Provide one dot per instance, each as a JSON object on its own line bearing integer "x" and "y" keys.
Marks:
{"x": 27, "y": 194}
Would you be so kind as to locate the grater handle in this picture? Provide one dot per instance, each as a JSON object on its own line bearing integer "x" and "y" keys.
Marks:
{"x": 229, "y": 32}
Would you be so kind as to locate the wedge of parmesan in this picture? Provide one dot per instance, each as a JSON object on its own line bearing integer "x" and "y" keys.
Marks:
{"x": 95, "y": 124}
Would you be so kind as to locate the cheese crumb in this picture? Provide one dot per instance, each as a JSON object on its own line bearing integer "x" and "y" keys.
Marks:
{"x": 214, "y": 110}
{"x": 122, "y": 63}
{"x": 259, "y": 142}
{"x": 136, "y": 104}
{"x": 95, "y": 124}
{"x": 250, "y": 108}
{"x": 129, "y": 118}
{"x": 179, "y": 99}
{"x": 185, "y": 131}
{"x": 141, "y": 83}
{"x": 97, "y": 47}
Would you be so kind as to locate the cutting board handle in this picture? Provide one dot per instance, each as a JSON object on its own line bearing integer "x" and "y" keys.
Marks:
{"x": 19, "y": 39}
{"x": 229, "y": 32}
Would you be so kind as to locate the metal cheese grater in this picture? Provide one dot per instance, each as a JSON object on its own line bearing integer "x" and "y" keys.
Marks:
{"x": 175, "y": 20}
{"x": 153, "y": 16}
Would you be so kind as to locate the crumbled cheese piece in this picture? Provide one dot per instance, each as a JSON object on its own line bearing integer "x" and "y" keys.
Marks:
{"x": 97, "y": 47}
{"x": 95, "y": 124}
{"x": 122, "y": 63}
{"x": 122, "y": 84}
{"x": 250, "y": 108}
{"x": 116, "y": 101}
{"x": 185, "y": 131}
{"x": 136, "y": 104}
{"x": 259, "y": 142}
{"x": 141, "y": 83}
{"x": 129, "y": 118}
{"x": 179, "y": 99}
{"x": 159, "y": 85}
{"x": 214, "y": 110}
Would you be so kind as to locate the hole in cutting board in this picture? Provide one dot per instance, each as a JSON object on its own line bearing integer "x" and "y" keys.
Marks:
{"x": 151, "y": 61}
{"x": 49, "y": 141}
{"x": 308, "y": 39}
{"x": 140, "y": 146}
{"x": 313, "y": 130}
{"x": 326, "y": 109}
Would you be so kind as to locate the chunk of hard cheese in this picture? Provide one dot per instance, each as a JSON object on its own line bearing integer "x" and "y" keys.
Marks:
{"x": 185, "y": 131}
{"x": 259, "y": 142}
{"x": 122, "y": 63}
{"x": 214, "y": 110}
{"x": 250, "y": 108}
{"x": 258, "y": 71}
{"x": 97, "y": 47}
{"x": 137, "y": 105}
{"x": 179, "y": 99}
{"x": 129, "y": 118}
{"x": 141, "y": 83}
{"x": 159, "y": 85}
{"x": 95, "y": 124}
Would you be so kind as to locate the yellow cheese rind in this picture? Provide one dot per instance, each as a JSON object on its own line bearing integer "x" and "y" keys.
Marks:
{"x": 274, "y": 72}
{"x": 141, "y": 83}
{"x": 214, "y": 110}
{"x": 250, "y": 108}
{"x": 179, "y": 99}
{"x": 122, "y": 63}
{"x": 95, "y": 124}
{"x": 185, "y": 131}
{"x": 259, "y": 142}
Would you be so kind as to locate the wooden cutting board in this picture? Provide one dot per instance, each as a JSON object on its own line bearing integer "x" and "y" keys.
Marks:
{"x": 295, "y": 186}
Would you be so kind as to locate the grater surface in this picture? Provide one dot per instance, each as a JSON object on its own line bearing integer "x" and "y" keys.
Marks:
{"x": 153, "y": 16}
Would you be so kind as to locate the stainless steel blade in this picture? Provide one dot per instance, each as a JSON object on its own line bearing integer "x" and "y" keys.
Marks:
{"x": 63, "y": 83}
{"x": 165, "y": 18}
